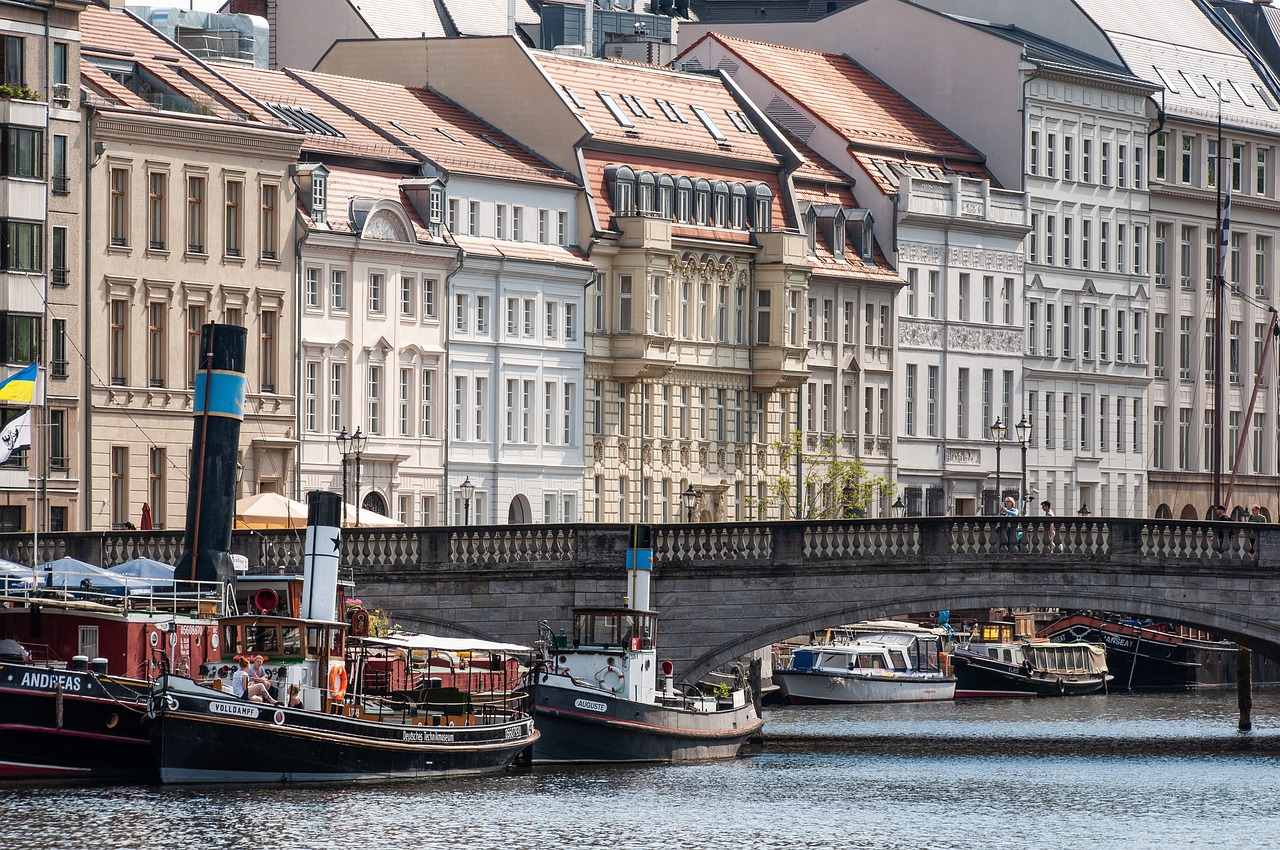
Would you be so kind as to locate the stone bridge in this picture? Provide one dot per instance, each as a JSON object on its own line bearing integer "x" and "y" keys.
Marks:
{"x": 725, "y": 590}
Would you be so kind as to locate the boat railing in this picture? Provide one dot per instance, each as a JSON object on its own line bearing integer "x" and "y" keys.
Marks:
{"x": 141, "y": 596}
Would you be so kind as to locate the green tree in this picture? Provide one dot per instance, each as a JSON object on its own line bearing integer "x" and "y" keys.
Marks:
{"x": 831, "y": 486}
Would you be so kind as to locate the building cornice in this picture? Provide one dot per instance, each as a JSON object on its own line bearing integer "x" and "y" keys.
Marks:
{"x": 219, "y": 138}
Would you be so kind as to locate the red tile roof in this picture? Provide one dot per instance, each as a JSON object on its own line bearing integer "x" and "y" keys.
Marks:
{"x": 357, "y": 139}
{"x": 435, "y": 127}
{"x": 347, "y": 183}
{"x": 848, "y": 98}
{"x": 594, "y": 80}
{"x": 532, "y": 251}
{"x": 115, "y": 37}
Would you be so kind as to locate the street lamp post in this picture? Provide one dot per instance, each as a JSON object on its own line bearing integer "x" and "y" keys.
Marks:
{"x": 690, "y": 497}
{"x": 1023, "y": 430}
{"x": 998, "y": 431}
{"x": 358, "y": 441}
{"x": 343, "y": 439}
{"x": 899, "y": 509}
{"x": 468, "y": 490}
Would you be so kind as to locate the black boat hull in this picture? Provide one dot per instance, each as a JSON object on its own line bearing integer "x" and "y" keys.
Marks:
{"x": 1148, "y": 660}
{"x": 58, "y": 723}
{"x": 202, "y": 736}
{"x": 977, "y": 677}
{"x": 579, "y": 726}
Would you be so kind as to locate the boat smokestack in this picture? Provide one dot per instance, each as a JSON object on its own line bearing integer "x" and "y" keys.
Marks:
{"x": 320, "y": 556}
{"x": 639, "y": 567}
{"x": 218, "y": 408}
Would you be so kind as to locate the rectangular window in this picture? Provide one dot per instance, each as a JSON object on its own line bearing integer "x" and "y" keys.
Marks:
{"x": 909, "y": 413}
{"x": 375, "y": 400}
{"x": 402, "y": 418}
{"x": 624, "y": 303}
{"x": 933, "y": 294}
{"x": 1184, "y": 348}
{"x": 1162, "y": 153}
{"x": 311, "y": 287}
{"x": 570, "y": 322}
{"x": 462, "y": 313}
{"x": 1261, "y": 266}
{"x": 570, "y": 405}
{"x": 375, "y": 292}
{"x": 429, "y": 286}
{"x": 338, "y": 290}
{"x": 482, "y": 315}
{"x": 763, "y": 313}
{"x": 1086, "y": 161}
{"x": 428, "y": 400}
{"x": 268, "y": 362}
{"x": 311, "y": 391}
{"x": 233, "y": 219}
{"x": 1066, "y": 158}
{"x": 459, "y": 407}
{"x": 60, "y": 183}
{"x": 270, "y": 223}
{"x": 157, "y": 351}
{"x": 408, "y": 286}
{"x": 119, "y": 486}
{"x": 58, "y": 260}
{"x": 962, "y": 403}
{"x": 931, "y": 403}
{"x": 58, "y": 348}
{"x": 195, "y": 321}
{"x": 1261, "y": 178}
{"x": 119, "y": 342}
{"x": 119, "y": 201}
{"x": 195, "y": 215}
{"x": 337, "y": 385}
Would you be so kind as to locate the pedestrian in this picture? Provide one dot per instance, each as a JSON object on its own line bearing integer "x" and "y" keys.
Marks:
{"x": 1006, "y": 532}
{"x": 1051, "y": 533}
{"x": 1255, "y": 515}
{"x": 1220, "y": 515}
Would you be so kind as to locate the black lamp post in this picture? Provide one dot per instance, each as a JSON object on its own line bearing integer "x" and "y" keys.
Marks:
{"x": 1023, "y": 430}
{"x": 358, "y": 441}
{"x": 998, "y": 432}
{"x": 1084, "y": 510}
{"x": 899, "y": 509}
{"x": 690, "y": 497}
{"x": 343, "y": 439}
{"x": 468, "y": 490}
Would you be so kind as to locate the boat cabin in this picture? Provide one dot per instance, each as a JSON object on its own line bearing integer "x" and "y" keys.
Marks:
{"x": 307, "y": 653}
{"x": 612, "y": 628}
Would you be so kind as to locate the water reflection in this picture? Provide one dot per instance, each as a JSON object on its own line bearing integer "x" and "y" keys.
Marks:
{"x": 1144, "y": 771}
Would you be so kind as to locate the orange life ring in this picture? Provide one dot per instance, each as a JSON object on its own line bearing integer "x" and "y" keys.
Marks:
{"x": 266, "y": 600}
{"x": 338, "y": 682}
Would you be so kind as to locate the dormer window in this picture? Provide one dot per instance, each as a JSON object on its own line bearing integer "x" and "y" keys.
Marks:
{"x": 684, "y": 200}
{"x": 720, "y": 204}
{"x": 811, "y": 231}
{"x": 319, "y": 197}
{"x": 436, "y": 210}
{"x": 837, "y": 237}
{"x": 702, "y": 202}
{"x": 646, "y": 191}
{"x": 738, "y": 206}
{"x": 666, "y": 195}
{"x": 621, "y": 182}
{"x": 862, "y": 231}
{"x": 761, "y": 198}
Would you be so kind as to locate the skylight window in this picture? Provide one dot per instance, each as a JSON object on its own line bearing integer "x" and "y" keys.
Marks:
{"x": 403, "y": 129}
{"x": 1266, "y": 97}
{"x": 491, "y": 140}
{"x": 1191, "y": 83}
{"x": 1218, "y": 88}
{"x": 615, "y": 109}
{"x": 662, "y": 104}
{"x": 733, "y": 119}
{"x": 1240, "y": 92}
{"x": 442, "y": 131}
{"x": 573, "y": 97}
{"x": 303, "y": 119}
{"x": 633, "y": 105}
{"x": 1167, "y": 80}
{"x": 644, "y": 109}
{"x": 675, "y": 110}
{"x": 709, "y": 124}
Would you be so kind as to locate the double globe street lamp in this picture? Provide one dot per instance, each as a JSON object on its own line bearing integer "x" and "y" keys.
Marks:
{"x": 348, "y": 445}
{"x": 998, "y": 433}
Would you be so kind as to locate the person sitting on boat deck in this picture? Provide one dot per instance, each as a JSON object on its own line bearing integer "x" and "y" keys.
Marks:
{"x": 244, "y": 687}
{"x": 258, "y": 674}
{"x": 1007, "y": 533}
{"x": 11, "y": 650}
{"x": 295, "y": 696}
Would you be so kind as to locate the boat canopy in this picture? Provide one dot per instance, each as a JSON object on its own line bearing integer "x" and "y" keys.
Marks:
{"x": 417, "y": 641}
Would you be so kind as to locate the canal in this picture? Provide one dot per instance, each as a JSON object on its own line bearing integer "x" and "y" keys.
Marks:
{"x": 1126, "y": 771}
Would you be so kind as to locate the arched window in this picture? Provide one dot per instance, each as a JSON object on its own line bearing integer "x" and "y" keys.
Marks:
{"x": 702, "y": 202}
{"x": 811, "y": 230}
{"x": 720, "y": 204}
{"x": 621, "y": 183}
{"x": 666, "y": 195}
{"x": 738, "y": 206}
{"x": 684, "y": 200}
{"x": 646, "y": 194}
{"x": 761, "y": 197}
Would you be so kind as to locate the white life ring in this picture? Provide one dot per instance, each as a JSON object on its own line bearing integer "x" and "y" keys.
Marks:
{"x": 610, "y": 677}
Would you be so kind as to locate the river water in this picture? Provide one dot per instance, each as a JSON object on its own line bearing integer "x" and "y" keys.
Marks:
{"x": 1124, "y": 771}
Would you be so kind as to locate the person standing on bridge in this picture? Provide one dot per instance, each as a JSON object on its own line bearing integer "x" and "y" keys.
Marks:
{"x": 1006, "y": 533}
{"x": 1220, "y": 515}
{"x": 1051, "y": 532}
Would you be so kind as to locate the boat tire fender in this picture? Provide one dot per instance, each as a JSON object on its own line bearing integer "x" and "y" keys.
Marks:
{"x": 1062, "y": 688}
{"x": 338, "y": 682}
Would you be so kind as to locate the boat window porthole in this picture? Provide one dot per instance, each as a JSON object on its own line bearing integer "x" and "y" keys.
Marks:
{"x": 112, "y": 720}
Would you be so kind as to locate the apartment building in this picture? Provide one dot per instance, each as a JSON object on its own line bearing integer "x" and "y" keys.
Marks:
{"x": 40, "y": 313}
{"x": 191, "y": 220}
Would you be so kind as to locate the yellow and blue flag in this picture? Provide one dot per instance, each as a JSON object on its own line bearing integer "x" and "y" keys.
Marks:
{"x": 21, "y": 385}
